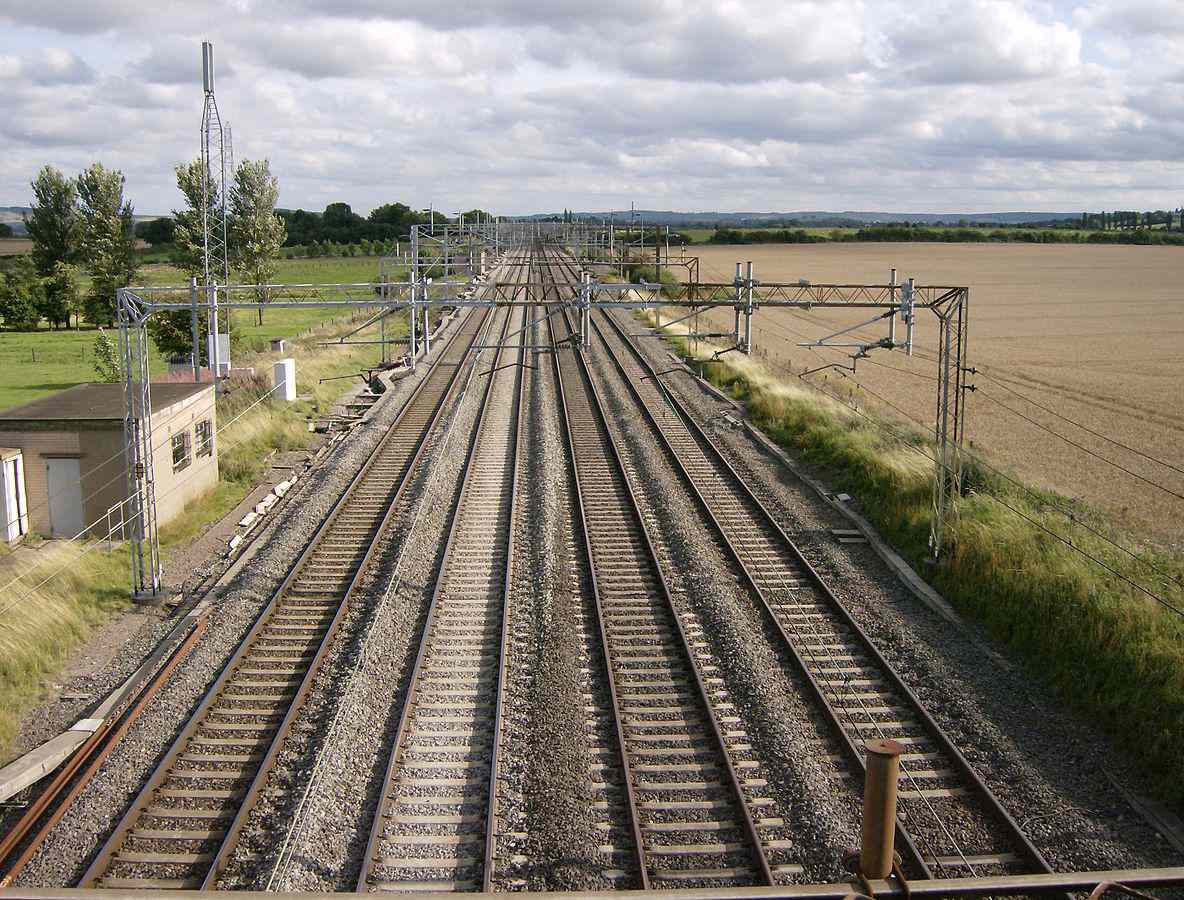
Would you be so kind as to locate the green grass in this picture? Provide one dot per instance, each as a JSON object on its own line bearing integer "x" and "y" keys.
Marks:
{"x": 36, "y": 363}
{"x": 1105, "y": 648}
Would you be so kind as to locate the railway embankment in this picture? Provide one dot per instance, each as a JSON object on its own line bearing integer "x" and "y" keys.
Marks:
{"x": 60, "y": 594}
{"x": 1091, "y": 610}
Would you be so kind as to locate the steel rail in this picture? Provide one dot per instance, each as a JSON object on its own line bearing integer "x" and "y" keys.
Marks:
{"x": 634, "y": 514}
{"x": 723, "y": 467}
{"x": 370, "y": 861}
{"x": 81, "y": 766}
{"x": 581, "y": 529}
{"x": 109, "y": 855}
{"x": 507, "y": 581}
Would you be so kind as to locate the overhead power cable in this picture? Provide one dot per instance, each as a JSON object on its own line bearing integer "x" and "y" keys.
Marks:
{"x": 1101, "y": 563}
{"x": 1084, "y": 428}
{"x": 1080, "y": 447}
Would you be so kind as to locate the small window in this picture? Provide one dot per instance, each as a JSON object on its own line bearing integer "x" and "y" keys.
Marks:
{"x": 181, "y": 445}
{"x": 205, "y": 438}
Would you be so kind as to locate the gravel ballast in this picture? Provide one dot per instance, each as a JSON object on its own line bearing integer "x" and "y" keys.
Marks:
{"x": 235, "y": 606}
{"x": 1053, "y": 772}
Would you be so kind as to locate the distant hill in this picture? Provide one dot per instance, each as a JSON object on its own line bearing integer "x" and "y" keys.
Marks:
{"x": 816, "y": 217}
{"x": 15, "y": 216}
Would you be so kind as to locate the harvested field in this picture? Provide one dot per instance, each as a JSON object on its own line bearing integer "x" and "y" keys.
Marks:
{"x": 13, "y": 246}
{"x": 1093, "y": 334}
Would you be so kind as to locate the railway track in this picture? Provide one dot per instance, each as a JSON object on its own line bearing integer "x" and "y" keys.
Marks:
{"x": 696, "y": 816}
{"x": 679, "y": 797}
{"x": 862, "y": 695}
{"x": 181, "y": 829}
{"x": 436, "y": 825}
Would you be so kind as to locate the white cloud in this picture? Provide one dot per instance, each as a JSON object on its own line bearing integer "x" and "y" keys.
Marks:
{"x": 982, "y": 42}
{"x": 45, "y": 66}
{"x": 524, "y": 105}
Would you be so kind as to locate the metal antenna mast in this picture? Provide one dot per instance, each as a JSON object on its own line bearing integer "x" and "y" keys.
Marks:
{"x": 215, "y": 141}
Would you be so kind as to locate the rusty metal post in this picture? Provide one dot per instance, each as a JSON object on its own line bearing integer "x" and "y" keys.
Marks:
{"x": 879, "y": 808}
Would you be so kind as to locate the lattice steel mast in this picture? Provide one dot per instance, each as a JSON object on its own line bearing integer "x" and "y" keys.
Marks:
{"x": 214, "y": 162}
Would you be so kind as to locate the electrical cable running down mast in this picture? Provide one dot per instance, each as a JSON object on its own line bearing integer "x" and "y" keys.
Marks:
{"x": 215, "y": 247}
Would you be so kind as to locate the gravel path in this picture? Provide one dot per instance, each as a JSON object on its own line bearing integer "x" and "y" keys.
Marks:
{"x": 1050, "y": 769}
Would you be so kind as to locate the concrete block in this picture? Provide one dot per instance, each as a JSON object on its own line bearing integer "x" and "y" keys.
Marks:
{"x": 284, "y": 374}
{"x": 36, "y": 764}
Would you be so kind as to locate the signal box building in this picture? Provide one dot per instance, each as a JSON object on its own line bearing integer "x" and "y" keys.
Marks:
{"x": 72, "y": 453}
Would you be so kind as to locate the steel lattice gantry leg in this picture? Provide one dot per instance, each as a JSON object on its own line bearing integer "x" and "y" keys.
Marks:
{"x": 143, "y": 545}
{"x": 951, "y": 415}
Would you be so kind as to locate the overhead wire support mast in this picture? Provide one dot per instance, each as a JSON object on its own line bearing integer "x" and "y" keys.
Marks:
{"x": 215, "y": 243}
{"x": 745, "y": 295}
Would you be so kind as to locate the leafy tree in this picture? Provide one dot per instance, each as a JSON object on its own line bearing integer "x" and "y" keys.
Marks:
{"x": 108, "y": 365}
{"x": 53, "y": 223}
{"x": 108, "y": 239}
{"x": 21, "y": 296}
{"x": 60, "y": 295}
{"x": 157, "y": 231}
{"x": 172, "y": 333}
{"x": 172, "y": 330}
{"x": 256, "y": 232}
{"x": 5, "y": 230}
{"x": 188, "y": 238}
{"x": 339, "y": 215}
{"x": 393, "y": 214}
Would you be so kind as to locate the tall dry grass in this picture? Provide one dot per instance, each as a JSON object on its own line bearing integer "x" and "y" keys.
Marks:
{"x": 43, "y": 624}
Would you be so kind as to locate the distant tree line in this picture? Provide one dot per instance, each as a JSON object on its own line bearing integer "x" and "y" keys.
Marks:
{"x": 337, "y": 226}
{"x": 905, "y": 232}
{"x": 1119, "y": 220}
{"x": 764, "y": 236}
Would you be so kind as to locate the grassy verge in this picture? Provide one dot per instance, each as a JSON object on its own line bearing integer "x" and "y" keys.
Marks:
{"x": 64, "y": 592}
{"x": 1107, "y": 649}
{"x": 36, "y": 363}
{"x": 39, "y": 631}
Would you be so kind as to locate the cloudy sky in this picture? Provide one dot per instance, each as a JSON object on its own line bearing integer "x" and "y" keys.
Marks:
{"x": 532, "y": 105}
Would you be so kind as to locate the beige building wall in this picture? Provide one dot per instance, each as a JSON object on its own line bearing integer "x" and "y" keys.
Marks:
{"x": 36, "y": 446}
{"x": 175, "y": 488}
{"x": 98, "y": 446}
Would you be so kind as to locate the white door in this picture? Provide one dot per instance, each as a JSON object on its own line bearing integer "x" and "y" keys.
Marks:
{"x": 65, "y": 497}
{"x": 13, "y": 509}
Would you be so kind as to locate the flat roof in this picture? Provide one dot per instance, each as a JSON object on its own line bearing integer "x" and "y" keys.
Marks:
{"x": 98, "y": 401}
